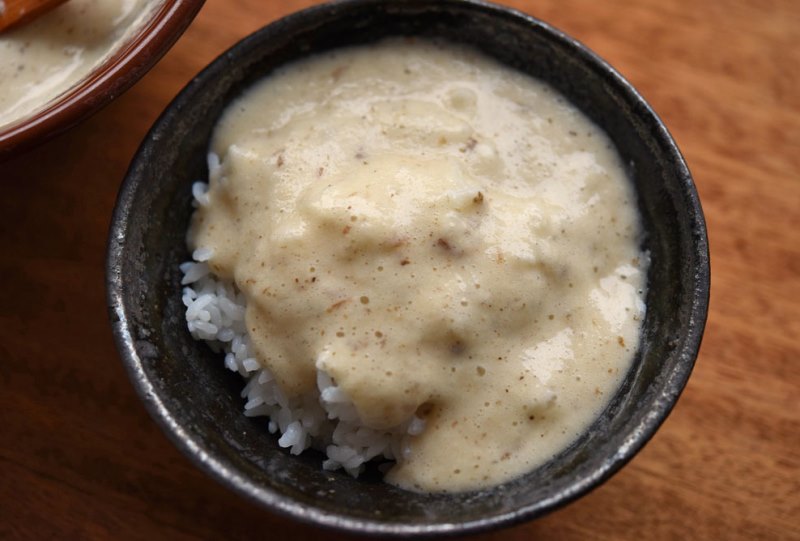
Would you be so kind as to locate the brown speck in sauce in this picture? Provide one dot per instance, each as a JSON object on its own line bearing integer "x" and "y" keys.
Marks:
{"x": 336, "y": 305}
{"x": 471, "y": 142}
{"x": 337, "y": 72}
{"x": 396, "y": 243}
{"x": 424, "y": 410}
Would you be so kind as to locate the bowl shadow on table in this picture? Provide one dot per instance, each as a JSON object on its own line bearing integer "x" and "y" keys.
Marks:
{"x": 185, "y": 385}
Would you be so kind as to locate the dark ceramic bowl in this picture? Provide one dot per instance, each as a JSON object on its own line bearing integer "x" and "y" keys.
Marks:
{"x": 196, "y": 400}
{"x": 126, "y": 65}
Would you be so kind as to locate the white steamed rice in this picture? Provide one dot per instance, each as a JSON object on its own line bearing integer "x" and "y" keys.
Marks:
{"x": 325, "y": 420}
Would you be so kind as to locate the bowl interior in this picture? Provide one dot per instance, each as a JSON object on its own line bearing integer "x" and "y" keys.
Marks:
{"x": 187, "y": 388}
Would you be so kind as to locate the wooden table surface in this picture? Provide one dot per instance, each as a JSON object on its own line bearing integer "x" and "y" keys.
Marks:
{"x": 80, "y": 457}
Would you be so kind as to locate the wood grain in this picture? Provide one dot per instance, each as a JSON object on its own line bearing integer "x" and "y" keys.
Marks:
{"x": 80, "y": 458}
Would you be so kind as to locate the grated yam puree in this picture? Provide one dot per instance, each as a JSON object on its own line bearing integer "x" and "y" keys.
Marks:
{"x": 417, "y": 254}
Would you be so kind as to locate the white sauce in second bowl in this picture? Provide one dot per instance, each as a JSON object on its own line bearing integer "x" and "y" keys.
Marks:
{"x": 46, "y": 57}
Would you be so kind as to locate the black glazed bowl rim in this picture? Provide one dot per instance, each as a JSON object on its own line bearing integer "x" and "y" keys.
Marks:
{"x": 142, "y": 282}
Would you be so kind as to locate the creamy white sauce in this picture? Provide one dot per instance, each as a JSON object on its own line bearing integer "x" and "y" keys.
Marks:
{"x": 44, "y": 58}
{"x": 442, "y": 235}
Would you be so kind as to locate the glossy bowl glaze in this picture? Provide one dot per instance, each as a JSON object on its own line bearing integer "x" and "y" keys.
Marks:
{"x": 196, "y": 400}
{"x": 107, "y": 81}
